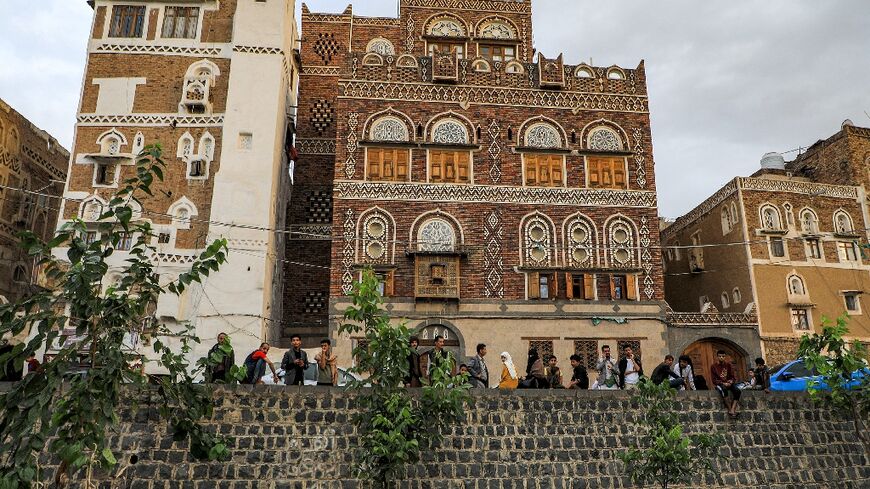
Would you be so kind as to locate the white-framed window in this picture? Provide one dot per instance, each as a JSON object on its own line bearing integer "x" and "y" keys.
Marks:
{"x": 703, "y": 301}
{"x": 180, "y": 22}
{"x": 726, "y": 303}
{"x": 853, "y": 303}
{"x": 809, "y": 222}
{"x": 843, "y": 223}
{"x": 770, "y": 218}
{"x": 777, "y": 248}
{"x": 814, "y": 249}
{"x": 847, "y": 251}
{"x": 736, "y": 296}
{"x": 801, "y": 319}
{"x": 796, "y": 286}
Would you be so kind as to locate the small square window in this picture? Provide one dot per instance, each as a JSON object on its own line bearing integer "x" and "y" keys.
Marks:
{"x": 853, "y": 303}
{"x": 246, "y": 141}
{"x": 163, "y": 238}
{"x": 777, "y": 247}
{"x": 125, "y": 243}
{"x": 127, "y": 21}
{"x": 800, "y": 320}
{"x": 104, "y": 174}
{"x": 814, "y": 249}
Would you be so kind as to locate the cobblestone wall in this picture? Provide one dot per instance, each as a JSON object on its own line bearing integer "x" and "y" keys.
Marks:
{"x": 287, "y": 438}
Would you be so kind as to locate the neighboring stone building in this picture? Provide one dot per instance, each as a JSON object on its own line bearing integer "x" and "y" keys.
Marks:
{"x": 781, "y": 245}
{"x": 32, "y": 171}
{"x": 213, "y": 82}
{"x": 502, "y": 196}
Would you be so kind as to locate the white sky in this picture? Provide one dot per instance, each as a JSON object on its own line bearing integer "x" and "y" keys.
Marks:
{"x": 728, "y": 81}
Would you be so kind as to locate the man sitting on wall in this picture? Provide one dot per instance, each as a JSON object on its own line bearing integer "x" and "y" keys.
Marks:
{"x": 725, "y": 382}
{"x": 256, "y": 363}
{"x": 665, "y": 371}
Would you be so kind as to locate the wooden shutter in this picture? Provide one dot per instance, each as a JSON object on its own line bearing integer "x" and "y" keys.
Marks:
{"x": 402, "y": 165}
{"x": 569, "y": 286}
{"x": 389, "y": 162}
{"x": 631, "y": 287}
{"x": 531, "y": 170}
{"x": 534, "y": 285}
{"x": 555, "y": 171}
{"x": 589, "y": 287}
{"x": 619, "y": 173}
{"x": 464, "y": 173}
{"x": 374, "y": 157}
{"x": 593, "y": 170}
{"x": 436, "y": 160}
{"x": 553, "y": 285}
{"x": 389, "y": 280}
{"x": 612, "y": 289}
{"x": 450, "y": 167}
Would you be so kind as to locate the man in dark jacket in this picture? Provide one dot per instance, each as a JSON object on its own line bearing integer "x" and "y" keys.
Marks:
{"x": 220, "y": 361}
{"x": 580, "y": 379}
{"x": 665, "y": 371}
{"x": 295, "y": 362}
{"x": 630, "y": 369}
{"x": 478, "y": 370}
{"x": 415, "y": 373}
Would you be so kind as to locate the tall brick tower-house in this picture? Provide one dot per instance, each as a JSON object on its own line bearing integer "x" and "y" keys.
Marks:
{"x": 503, "y": 196}
{"x": 212, "y": 82}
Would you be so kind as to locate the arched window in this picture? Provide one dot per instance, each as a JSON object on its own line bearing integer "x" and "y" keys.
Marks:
{"x": 481, "y": 66}
{"x": 615, "y": 74}
{"x": 604, "y": 139}
{"x": 206, "y": 146}
{"x": 406, "y": 61}
{"x": 2, "y": 134}
{"x": 735, "y": 217}
{"x": 183, "y": 212}
{"x": 726, "y": 222}
{"x": 389, "y": 129}
{"x": 198, "y": 82}
{"x": 543, "y": 135}
{"x": 436, "y": 235}
{"x": 185, "y": 146}
{"x": 19, "y": 274}
{"x": 538, "y": 241}
{"x": 377, "y": 237}
{"x": 584, "y": 72}
{"x": 796, "y": 286}
{"x": 381, "y": 46}
{"x": 13, "y": 142}
{"x": 446, "y": 27}
{"x": 736, "y": 296}
{"x": 515, "y": 68}
{"x": 770, "y": 218}
{"x": 496, "y": 30}
{"x": 110, "y": 142}
{"x": 138, "y": 143}
{"x": 809, "y": 221}
{"x": 843, "y": 223}
{"x": 373, "y": 59}
{"x": 621, "y": 243}
{"x": 726, "y": 303}
{"x": 450, "y": 131}
{"x": 580, "y": 241}
{"x": 91, "y": 209}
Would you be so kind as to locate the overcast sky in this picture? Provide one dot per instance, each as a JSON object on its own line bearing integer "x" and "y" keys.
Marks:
{"x": 728, "y": 81}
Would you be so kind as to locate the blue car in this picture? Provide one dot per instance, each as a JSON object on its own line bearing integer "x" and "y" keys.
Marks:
{"x": 797, "y": 377}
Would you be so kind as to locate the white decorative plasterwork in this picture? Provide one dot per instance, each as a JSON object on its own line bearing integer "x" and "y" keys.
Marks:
{"x": 381, "y": 46}
{"x": 493, "y": 262}
{"x": 409, "y": 40}
{"x": 376, "y": 235}
{"x": 497, "y": 30}
{"x": 258, "y": 50}
{"x": 450, "y": 132}
{"x": 543, "y": 135}
{"x": 311, "y": 232}
{"x": 321, "y": 71}
{"x": 474, "y": 5}
{"x": 316, "y": 146}
{"x": 604, "y": 139}
{"x": 36, "y": 158}
{"x": 580, "y": 238}
{"x": 646, "y": 259}
{"x": 424, "y": 192}
{"x": 389, "y": 129}
{"x": 639, "y": 157}
{"x": 377, "y": 21}
{"x": 806, "y": 188}
{"x": 446, "y": 28}
{"x": 538, "y": 242}
{"x": 437, "y": 236}
{"x": 620, "y": 244}
{"x": 352, "y": 145}
{"x": 151, "y": 120}
{"x": 347, "y": 261}
{"x": 427, "y": 92}
{"x": 155, "y": 49}
{"x": 707, "y": 206}
{"x": 494, "y": 151}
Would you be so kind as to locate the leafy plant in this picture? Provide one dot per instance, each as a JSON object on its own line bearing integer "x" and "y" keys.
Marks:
{"x": 394, "y": 425}
{"x": 664, "y": 454}
{"x": 70, "y": 406}
{"x": 836, "y": 361}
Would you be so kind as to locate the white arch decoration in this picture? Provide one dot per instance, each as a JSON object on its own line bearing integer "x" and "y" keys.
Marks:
{"x": 381, "y": 46}
{"x": 376, "y": 230}
{"x": 603, "y": 138}
{"x": 416, "y": 226}
{"x": 182, "y": 211}
{"x": 622, "y": 245}
{"x": 450, "y": 131}
{"x": 538, "y": 238}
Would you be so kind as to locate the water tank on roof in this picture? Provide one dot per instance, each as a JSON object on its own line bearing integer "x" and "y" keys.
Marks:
{"x": 773, "y": 161}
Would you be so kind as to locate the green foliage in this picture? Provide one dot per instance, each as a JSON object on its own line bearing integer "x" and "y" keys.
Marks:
{"x": 664, "y": 455}
{"x": 73, "y": 401}
{"x": 394, "y": 424}
{"x": 836, "y": 360}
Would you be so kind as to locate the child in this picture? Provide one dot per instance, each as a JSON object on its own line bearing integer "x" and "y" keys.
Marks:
{"x": 553, "y": 374}
{"x": 760, "y": 376}
{"x": 580, "y": 379}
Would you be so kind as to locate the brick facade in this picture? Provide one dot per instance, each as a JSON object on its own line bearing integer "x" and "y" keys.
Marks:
{"x": 30, "y": 160}
{"x": 371, "y": 86}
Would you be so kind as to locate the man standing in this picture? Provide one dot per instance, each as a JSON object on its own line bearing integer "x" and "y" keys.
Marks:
{"x": 436, "y": 357}
{"x": 630, "y": 370}
{"x": 665, "y": 371}
{"x": 478, "y": 370}
{"x": 256, "y": 363}
{"x": 295, "y": 362}
{"x": 725, "y": 382}
{"x": 327, "y": 370}
{"x": 414, "y": 371}
{"x": 220, "y": 361}
{"x": 607, "y": 373}
{"x": 580, "y": 379}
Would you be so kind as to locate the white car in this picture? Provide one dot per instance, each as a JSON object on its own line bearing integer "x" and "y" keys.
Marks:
{"x": 344, "y": 377}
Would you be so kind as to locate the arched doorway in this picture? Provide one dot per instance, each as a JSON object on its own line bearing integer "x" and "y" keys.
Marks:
{"x": 452, "y": 342}
{"x": 703, "y": 355}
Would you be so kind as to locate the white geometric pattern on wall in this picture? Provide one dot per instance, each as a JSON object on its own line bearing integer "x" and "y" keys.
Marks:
{"x": 493, "y": 263}
{"x": 538, "y": 242}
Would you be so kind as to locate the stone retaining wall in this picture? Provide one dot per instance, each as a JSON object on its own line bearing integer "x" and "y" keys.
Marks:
{"x": 292, "y": 438}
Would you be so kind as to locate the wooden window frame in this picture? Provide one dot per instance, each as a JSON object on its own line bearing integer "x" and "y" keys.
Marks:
{"x": 532, "y": 167}
{"x": 606, "y": 167}
{"x": 388, "y": 279}
{"x": 189, "y": 22}
{"x": 586, "y": 288}
{"x": 457, "y": 166}
{"x": 127, "y": 21}
{"x": 376, "y": 164}
{"x": 460, "y": 54}
{"x": 814, "y": 249}
{"x": 493, "y": 47}
{"x": 534, "y": 285}
{"x": 847, "y": 252}
{"x": 773, "y": 243}
{"x": 797, "y": 313}
{"x": 630, "y": 293}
